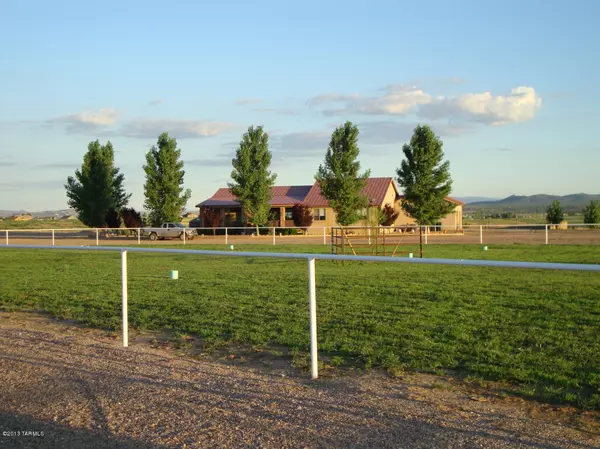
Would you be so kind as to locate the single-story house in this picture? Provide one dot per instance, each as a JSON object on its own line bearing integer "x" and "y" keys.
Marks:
{"x": 229, "y": 212}
{"x": 226, "y": 211}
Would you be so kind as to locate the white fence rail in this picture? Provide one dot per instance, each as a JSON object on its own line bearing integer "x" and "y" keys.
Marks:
{"x": 310, "y": 258}
{"x": 270, "y": 234}
{"x": 473, "y": 234}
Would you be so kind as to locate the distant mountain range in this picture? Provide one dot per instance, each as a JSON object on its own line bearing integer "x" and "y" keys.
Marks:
{"x": 514, "y": 203}
{"x": 533, "y": 203}
{"x": 44, "y": 213}
{"x": 476, "y": 199}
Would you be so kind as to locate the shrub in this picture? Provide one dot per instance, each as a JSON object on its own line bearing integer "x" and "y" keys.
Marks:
{"x": 287, "y": 231}
{"x": 131, "y": 218}
{"x": 112, "y": 219}
{"x": 302, "y": 215}
{"x": 389, "y": 215}
{"x": 554, "y": 213}
{"x": 591, "y": 213}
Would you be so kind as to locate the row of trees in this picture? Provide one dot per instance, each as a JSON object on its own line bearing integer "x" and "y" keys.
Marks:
{"x": 555, "y": 213}
{"x": 423, "y": 175}
{"x": 97, "y": 194}
{"x": 96, "y": 191}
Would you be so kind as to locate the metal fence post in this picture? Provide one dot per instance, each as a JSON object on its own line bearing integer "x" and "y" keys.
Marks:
{"x": 324, "y": 236}
{"x": 546, "y": 234}
{"x": 226, "y": 236}
{"x": 53, "y": 237}
{"x": 6, "y": 237}
{"x": 97, "y": 237}
{"x": 426, "y": 232}
{"x": 184, "y": 235}
{"x": 139, "y": 232}
{"x": 124, "y": 297}
{"x": 312, "y": 307}
{"x": 480, "y": 234}
{"x": 273, "y": 236}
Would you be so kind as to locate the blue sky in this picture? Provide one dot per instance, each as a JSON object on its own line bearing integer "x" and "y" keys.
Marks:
{"x": 511, "y": 87}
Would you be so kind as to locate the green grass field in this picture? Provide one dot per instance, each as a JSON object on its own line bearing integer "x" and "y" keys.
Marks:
{"x": 536, "y": 331}
{"x": 40, "y": 224}
{"x": 533, "y": 219}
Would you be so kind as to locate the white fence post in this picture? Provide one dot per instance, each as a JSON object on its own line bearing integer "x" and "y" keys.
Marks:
{"x": 184, "y": 235}
{"x": 139, "y": 232}
{"x": 312, "y": 307}
{"x": 324, "y": 235}
{"x": 426, "y": 232}
{"x": 546, "y": 234}
{"x": 124, "y": 297}
{"x": 97, "y": 237}
{"x": 6, "y": 237}
{"x": 226, "y": 236}
{"x": 53, "y": 237}
{"x": 480, "y": 234}
{"x": 369, "y": 234}
{"x": 273, "y": 236}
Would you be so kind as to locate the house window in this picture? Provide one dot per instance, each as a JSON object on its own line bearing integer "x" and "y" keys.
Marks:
{"x": 319, "y": 214}
{"x": 231, "y": 217}
{"x": 288, "y": 213}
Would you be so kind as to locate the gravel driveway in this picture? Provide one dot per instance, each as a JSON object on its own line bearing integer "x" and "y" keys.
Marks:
{"x": 82, "y": 390}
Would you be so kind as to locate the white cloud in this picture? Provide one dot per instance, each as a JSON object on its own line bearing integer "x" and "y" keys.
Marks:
{"x": 87, "y": 120}
{"x": 392, "y": 132}
{"x": 156, "y": 102}
{"x": 280, "y": 111}
{"x": 398, "y": 100}
{"x": 180, "y": 129}
{"x": 100, "y": 123}
{"x": 300, "y": 145}
{"x": 243, "y": 101}
{"x": 519, "y": 106}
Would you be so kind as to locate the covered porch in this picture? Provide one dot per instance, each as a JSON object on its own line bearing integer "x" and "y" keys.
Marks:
{"x": 232, "y": 216}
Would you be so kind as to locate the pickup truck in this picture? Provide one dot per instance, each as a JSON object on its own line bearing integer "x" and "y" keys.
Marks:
{"x": 169, "y": 231}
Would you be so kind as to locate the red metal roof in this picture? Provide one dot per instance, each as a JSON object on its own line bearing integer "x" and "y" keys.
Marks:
{"x": 282, "y": 196}
{"x": 310, "y": 196}
{"x": 375, "y": 190}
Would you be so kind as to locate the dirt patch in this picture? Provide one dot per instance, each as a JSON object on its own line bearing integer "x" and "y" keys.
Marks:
{"x": 82, "y": 389}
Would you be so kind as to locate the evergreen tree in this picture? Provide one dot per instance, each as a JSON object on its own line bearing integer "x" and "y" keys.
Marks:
{"x": 425, "y": 178}
{"x": 554, "y": 213}
{"x": 591, "y": 213}
{"x": 97, "y": 187}
{"x": 339, "y": 178}
{"x": 252, "y": 180}
{"x": 164, "y": 192}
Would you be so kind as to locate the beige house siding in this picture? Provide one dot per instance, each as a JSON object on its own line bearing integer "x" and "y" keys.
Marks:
{"x": 451, "y": 221}
{"x": 316, "y": 228}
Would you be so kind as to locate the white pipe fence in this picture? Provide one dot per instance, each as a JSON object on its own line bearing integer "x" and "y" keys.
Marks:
{"x": 310, "y": 258}
{"x": 281, "y": 234}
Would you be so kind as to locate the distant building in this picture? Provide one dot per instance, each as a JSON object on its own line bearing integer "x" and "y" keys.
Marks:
{"x": 22, "y": 217}
{"x": 380, "y": 191}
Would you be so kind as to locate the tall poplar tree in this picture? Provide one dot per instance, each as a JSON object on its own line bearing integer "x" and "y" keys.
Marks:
{"x": 252, "y": 179}
{"x": 339, "y": 176}
{"x": 165, "y": 196}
